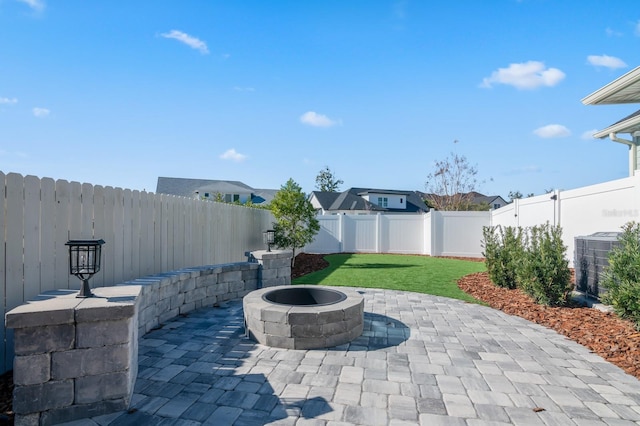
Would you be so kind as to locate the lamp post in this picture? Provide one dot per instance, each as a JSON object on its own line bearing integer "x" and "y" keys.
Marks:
{"x": 84, "y": 261}
{"x": 269, "y": 237}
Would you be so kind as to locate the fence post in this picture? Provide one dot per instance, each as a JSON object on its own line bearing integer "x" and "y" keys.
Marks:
{"x": 341, "y": 233}
{"x": 378, "y": 232}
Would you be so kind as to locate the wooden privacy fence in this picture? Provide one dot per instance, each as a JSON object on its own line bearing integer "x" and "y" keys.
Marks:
{"x": 145, "y": 234}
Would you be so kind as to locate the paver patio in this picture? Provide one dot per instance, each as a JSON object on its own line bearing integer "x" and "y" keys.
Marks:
{"x": 421, "y": 360}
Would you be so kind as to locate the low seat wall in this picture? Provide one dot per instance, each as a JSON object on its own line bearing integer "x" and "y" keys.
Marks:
{"x": 78, "y": 358}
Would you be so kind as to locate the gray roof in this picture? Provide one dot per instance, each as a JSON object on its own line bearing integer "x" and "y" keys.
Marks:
{"x": 263, "y": 195}
{"x": 351, "y": 199}
{"x": 486, "y": 199}
{"x": 333, "y": 201}
{"x": 325, "y": 198}
{"x": 185, "y": 187}
{"x": 415, "y": 203}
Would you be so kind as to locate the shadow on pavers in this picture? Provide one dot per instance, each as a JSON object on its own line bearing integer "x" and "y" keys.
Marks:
{"x": 191, "y": 372}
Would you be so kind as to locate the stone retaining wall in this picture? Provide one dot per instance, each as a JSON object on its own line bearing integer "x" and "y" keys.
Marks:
{"x": 78, "y": 358}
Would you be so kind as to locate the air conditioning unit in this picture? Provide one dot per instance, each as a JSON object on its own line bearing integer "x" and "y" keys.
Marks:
{"x": 591, "y": 258}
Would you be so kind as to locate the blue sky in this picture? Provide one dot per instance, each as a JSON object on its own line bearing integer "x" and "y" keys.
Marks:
{"x": 119, "y": 93}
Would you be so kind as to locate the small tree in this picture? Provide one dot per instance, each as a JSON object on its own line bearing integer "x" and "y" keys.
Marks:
{"x": 326, "y": 181}
{"x": 544, "y": 272}
{"x": 296, "y": 222}
{"x": 622, "y": 275}
{"x": 451, "y": 183}
{"x": 503, "y": 251}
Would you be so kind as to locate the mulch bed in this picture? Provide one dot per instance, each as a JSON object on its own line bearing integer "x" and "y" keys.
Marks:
{"x": 306, "y": 263}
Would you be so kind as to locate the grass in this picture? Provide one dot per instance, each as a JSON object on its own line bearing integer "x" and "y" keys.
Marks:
{"x": 421, "y": 274}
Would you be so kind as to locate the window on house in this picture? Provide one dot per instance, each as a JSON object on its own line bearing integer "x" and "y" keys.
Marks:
{"x": 227, "y": 198}
{"x": 236, "y": 197}
{"x": 383, "y": 201}
{"x": 496, "y": 206}
{"x": 206, "y": 195}
{"x": 400, "y": 200}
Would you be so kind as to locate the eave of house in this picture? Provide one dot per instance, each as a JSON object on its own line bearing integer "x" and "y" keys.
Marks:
{"x": 630, "y": 124}
{"x": 624, "y": 90}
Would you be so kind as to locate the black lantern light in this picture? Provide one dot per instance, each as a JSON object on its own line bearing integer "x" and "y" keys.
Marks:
{"x": 269, "y": 237}
{"x": 84, "y": 261}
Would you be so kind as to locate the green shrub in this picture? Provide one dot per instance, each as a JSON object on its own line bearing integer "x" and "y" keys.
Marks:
{"x": 544, "y": 271}
{"x": 622, "y": 276}
{"x": 502, "y": 252}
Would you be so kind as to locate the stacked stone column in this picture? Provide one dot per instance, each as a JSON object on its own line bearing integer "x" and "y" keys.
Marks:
{"x": 275, "y": 267}
{"x": 73, "y": 357}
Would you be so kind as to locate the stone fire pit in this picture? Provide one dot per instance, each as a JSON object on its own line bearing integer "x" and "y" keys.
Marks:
{"x": 303, "y": 316}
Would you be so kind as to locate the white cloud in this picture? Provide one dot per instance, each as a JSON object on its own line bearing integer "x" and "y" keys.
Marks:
{"x": 588, "y": 135}
{"x": 552, "y": 131}
{"x": 8, "y": 101}
{"x": 606, "y": 61}
{"x": 232, "y": 155}
{"x": 317, "y": 120}
{"x": 613, "y": 33}
{"x": 40, "y": 112}
{"x": 190, "y": 41}
{"x": 528, "y": 75}
{"x": 37, "y": 5}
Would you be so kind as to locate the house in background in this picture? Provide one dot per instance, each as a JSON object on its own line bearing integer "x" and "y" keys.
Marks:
{"x": 623, "y": 90}
{"x": 494, "y": 201}
{"x": 205, "y": 189}
{"x": 477, "y": 199}
{"x": 367, "y": 201}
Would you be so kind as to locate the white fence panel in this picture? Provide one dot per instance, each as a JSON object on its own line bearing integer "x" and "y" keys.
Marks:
{"x": 328, "y": 239}
{"x": 434, "y": 233}
{"x": 360, "y": 234}
{"x": 603, "y": 207}
{"x": 428, "y": 234}
{"x": 536, "y": 210}
{"x": 505, "y": 216}
{"x": 401, "y": 233}
{"x": 461, "y": 233}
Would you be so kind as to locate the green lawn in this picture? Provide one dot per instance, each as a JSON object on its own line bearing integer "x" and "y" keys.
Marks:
{"x": 421, "y": 274}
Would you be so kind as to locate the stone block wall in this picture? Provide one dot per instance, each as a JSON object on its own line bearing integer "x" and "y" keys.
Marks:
{"x": 276, "y": 266}
{"x": 74, "y": 357}
{"x": 78, "y": 358}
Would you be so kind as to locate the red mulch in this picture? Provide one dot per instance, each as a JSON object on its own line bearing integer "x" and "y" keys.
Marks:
{"x": 604, "y": 333}
{"x": 306, "y": 263}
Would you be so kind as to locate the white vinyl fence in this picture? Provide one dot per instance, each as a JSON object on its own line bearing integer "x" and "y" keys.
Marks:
{"x": 604, "y": 207}
{"x": 434, "y": 233}
{"x": 145, "y": 234}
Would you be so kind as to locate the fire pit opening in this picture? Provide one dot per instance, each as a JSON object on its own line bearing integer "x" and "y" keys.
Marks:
{"x": 303, "y": 316}
{"x": 304, "y": 296}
